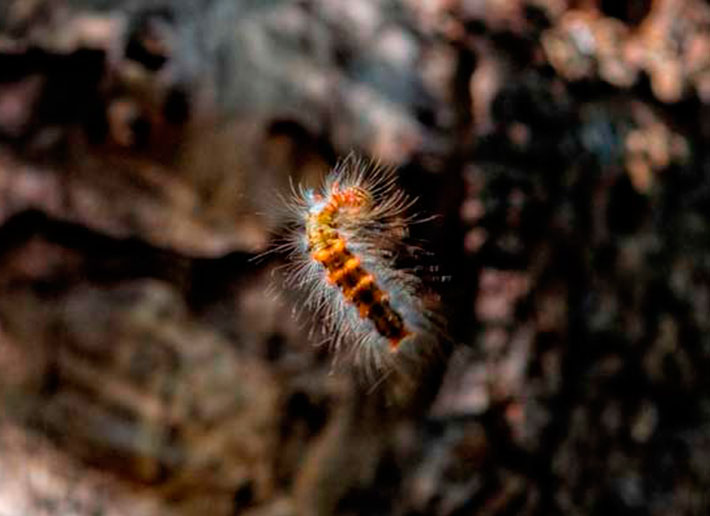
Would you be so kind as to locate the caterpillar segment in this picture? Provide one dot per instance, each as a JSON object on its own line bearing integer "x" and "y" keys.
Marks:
{"x": 344, "y": 269}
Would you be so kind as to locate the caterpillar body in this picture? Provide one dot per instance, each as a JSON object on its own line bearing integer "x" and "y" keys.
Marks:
{"x": 345, "y": 243}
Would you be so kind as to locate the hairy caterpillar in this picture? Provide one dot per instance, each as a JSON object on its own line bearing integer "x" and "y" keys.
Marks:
{"x": 344, "y": 245}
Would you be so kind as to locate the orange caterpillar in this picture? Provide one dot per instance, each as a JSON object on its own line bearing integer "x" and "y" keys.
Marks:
{"x": 345, "y": 270}
{"x": 344, "y": 246}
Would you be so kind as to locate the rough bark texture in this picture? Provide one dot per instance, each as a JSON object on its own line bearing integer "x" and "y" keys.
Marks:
{"x": 149, "y": 367}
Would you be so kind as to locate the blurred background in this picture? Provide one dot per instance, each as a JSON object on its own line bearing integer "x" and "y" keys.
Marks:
{"x": 146, "y": 368}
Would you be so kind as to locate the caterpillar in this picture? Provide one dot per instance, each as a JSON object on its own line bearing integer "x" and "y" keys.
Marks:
{"x": 345, "y": 242}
